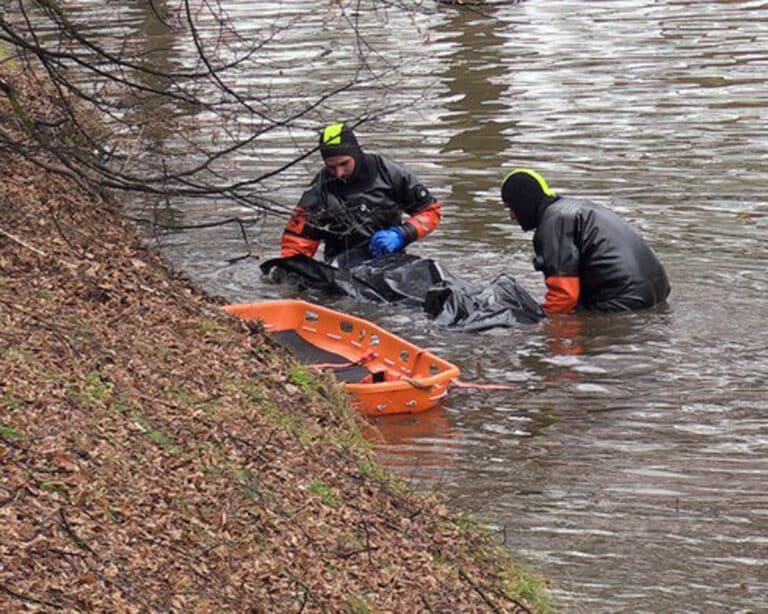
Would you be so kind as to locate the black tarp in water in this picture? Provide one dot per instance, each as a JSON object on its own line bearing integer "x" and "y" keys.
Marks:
{"x": 447, "y": 299}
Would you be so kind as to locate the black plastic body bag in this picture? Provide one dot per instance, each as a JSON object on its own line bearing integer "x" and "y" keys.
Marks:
{"x": 447, "y": 299}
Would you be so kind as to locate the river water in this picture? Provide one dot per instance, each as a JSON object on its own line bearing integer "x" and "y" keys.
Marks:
{"x": 631, "y": 465}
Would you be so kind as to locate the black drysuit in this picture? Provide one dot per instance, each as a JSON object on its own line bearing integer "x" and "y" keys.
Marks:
{"x": 594, "y": 259}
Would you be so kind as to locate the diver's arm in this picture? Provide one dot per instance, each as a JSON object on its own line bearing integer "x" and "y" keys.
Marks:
{"x": 420, "y": 224}
{"x": 417, "y": 202}
{"x": 558, "y": 257}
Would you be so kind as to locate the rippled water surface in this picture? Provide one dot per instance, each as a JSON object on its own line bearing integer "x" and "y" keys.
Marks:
{"x": 631, "y": 465}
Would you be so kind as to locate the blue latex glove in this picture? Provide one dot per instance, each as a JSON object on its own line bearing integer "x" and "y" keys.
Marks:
{"x": 386, "y": 241}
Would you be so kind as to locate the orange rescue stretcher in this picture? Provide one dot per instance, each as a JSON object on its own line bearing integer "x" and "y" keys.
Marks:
{"x": 384, "y": 373}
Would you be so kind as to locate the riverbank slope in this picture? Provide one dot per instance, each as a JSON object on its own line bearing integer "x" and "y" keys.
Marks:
{"x": 158, "y": 455}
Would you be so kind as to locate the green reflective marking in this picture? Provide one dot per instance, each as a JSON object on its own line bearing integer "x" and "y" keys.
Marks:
{"x": 332, "y": 134}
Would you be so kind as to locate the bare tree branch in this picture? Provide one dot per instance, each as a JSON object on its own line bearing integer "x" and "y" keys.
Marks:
{"x": 128, "y": 112}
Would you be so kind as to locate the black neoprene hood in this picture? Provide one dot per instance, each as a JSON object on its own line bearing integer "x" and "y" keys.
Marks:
{"x": 339, "y": 140}
{"x": 523, "y": 193}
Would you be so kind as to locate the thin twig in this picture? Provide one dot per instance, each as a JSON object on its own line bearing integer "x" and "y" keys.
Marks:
{"x": 29, "y": 598}
{"x": 71, "y": 532}
{"x": 39, "y": 252}
{"x": 307, "y": 591}
{"x": 465, "y": 576}
{"x": 56, "y": 331}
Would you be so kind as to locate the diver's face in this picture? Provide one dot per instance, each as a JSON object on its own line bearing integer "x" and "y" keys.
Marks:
{"x": 340, "y": 167}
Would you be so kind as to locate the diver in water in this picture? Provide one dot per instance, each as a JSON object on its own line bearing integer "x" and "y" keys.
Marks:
{"x": 358, "y": 199}
{"x": 590, "y": 257}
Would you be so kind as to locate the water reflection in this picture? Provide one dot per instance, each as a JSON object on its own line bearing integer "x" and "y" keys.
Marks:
{"x": 420, "y": 446}
{"x": 160, "y": 56}
{"x": 475, "y": 117}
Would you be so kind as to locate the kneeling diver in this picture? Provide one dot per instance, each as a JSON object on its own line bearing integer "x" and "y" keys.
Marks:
{"x": 590, "y": 257}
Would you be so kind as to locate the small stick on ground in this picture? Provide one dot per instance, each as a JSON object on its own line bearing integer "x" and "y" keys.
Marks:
{"x": 15, "y": 239}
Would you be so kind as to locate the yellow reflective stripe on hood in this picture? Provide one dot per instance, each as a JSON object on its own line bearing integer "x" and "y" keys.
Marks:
{"x": 532, "y": 173}
{"x": 332, "y": 134}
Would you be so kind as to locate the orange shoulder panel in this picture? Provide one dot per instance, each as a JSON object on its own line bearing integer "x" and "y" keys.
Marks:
{"x": 297, "y": 221}
{"x": 292, "y": 242}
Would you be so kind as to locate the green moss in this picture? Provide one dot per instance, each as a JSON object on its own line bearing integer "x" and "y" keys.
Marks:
{"x": 517, "y": 582}
{"x": 17, "y": 355}
{"x": 94, "y": 393}
{"x": 325, "y": 492}
{"x": 241, "y": 474}
{"x": 253, "y": 391}
{"x": 98, "y": 387}
{"x": 42, "y": 295}
{"x": 6, "y": 53}
{"x": 122, "y": 406}
{"x": 529, "y": 588}
{"x": 211, "y": 328}
{"x": 208, "y": 407}
{"x": 358, "y": 605}
{"x": 371, "y": 469}
{"x": 9, "y": 432}
{"x": 163, "y": 440}
{"x": 301, "y": 377}
{"x": 182, "y": 395}
{"x": 465, "y": 524}
{"x": 55, "y": 488}
{"x": 9, "y": 402}
{"x": 288, "y": 421}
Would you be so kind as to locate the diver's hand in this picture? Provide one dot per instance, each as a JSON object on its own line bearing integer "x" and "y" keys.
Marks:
{"x": 386, "y": 241}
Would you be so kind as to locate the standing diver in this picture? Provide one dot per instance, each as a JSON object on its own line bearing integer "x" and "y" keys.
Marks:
{"x": 590, "y": 257}
{"x": 358, "y": 199}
